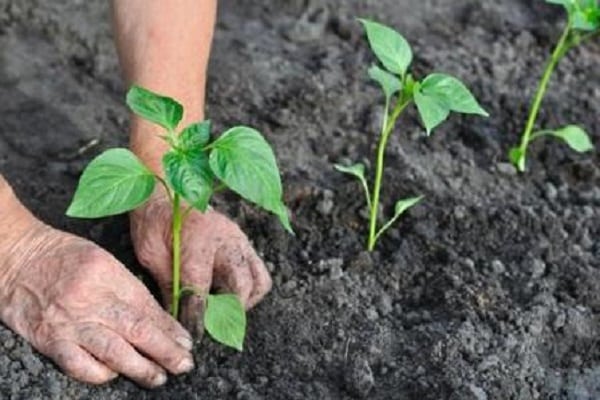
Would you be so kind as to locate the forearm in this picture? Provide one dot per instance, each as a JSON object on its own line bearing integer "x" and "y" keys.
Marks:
{"x": 164, "y": 45}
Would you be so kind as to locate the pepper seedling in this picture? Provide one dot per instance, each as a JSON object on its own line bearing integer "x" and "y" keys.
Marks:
{"x": 583, "y": 23}
{"x": 435, "y": 97}
{"x": 194, "y": 168}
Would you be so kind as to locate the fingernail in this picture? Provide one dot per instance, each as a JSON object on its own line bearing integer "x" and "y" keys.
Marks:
{"x": 185, "y": 365}
{"x": 159, "y": 379}
{"x": 185, "y": 342}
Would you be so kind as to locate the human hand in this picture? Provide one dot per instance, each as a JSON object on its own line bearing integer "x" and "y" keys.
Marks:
{"x": 215, "y": 252}
{"x": 78, "y": 305}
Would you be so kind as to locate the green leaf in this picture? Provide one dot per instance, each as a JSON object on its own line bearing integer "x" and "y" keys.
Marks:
{"x": 114, "y": 182}
{"x": 189, "y": 175}
{"x": 195, "y": 136}
{"x": 584, "y": 15}
{"x": 432, "y": 110}
{"x": 358, "y": 171}
{"x": 574, "y": 136}
{"x": 585, "y": 20}
{"x": 453, "y": 93}
{"x": 225, "y": 320}
{"x": 243, "y": 160}
{"x": 568, "y": 4}
{"x": 400, "y": 207}
{"x": 403, "y": 205}
{"x": 161, "y": 110}
{"x": 389, "y": 83}
{"x": 389, "y": 46}
{"x": 517, "y": 158}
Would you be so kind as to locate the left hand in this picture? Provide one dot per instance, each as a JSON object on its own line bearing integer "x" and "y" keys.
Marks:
{"x": 214, "y": 253}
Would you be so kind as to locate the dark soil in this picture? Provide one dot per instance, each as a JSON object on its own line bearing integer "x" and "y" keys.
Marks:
{"x": 490, "y": 289}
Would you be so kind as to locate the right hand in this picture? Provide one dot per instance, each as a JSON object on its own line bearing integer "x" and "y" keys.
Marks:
{"x": 78, "y": 305}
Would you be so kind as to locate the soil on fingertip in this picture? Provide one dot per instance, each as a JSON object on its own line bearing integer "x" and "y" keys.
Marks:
{"x": 488, "y": 289}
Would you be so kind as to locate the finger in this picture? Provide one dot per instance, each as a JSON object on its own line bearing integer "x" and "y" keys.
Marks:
{"x": 192, "y": 314}
{"x": 262, "y": 280}
{"x": 196, "y": 275}
{"x": 170, "y": 326}
{"x": 111, "y": 349}
{"x": 144, "y": 333}
{"x": 232, "y": 272}
{"x": 160, "y": 317}
{"x": 79, "y": 364}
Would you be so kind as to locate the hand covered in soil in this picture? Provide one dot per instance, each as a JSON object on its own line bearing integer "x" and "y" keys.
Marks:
{"x": 79, "y": 306}
{"x": 214, "y": 253}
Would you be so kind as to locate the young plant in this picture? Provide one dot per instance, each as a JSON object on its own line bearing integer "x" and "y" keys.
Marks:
{"x": 435, "y": 97}
{"x": 583, "y": 23}
{"x": 194, "y": 168}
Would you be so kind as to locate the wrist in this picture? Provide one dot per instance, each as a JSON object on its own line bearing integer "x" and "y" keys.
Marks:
{"x": 16, "y": 219}
{"x": 18, "y": 226}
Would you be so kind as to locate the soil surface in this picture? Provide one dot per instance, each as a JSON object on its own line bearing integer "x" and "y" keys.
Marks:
{"x": 489, "y": 289}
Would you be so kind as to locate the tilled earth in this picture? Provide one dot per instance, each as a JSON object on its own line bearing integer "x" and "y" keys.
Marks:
{"x": 489, "y": 289}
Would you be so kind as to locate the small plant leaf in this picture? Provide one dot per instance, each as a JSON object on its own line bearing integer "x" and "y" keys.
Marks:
{"x": 568, "y": 4}
{"x": 584, "y": 15}
{"x": 574, "y": 136}
{"x": 243, "y": 160}
{"x": 113, "y": 183}
{"x": 189, "y": 175}
{"x": 585, "y": 20}
{"x": 357, "y": 170}
{"x": 453, "y": 93}
{"x": 153, "y": 107}
{"x": 225, "y": 320}
{"x": 399, "y": 209}
{"x": 517, "y": 158}
{"x": 403, "y": 205}
{"x": 390, "y": 84}
{"x": 392, "y": 50}
{"x": 432, "y": 110}
{"x": 195, "y": 136}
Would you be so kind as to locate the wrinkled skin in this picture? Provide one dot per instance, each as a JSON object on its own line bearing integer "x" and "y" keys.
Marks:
{"x": 78, "y": 305}
{"x": 75, "y": 303}
{"x": 214, "y": 253}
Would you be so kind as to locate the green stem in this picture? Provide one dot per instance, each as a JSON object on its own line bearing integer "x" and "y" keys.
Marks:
{"x": 387, "y": 128}
{"x": 541, "y": 133}
{"x": 177, "y": 223}
{"x": 557, "y": 54}
{"x": 386, "y": 226}
{"x": 219, "y": 187}
{"x": 367, "y": 194}
{"x": 165, "y": 186}
{"x": 588, "y": 36}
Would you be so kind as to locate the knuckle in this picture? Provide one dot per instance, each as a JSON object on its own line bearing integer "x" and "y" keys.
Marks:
{"x": 68, "y": 360}
{"x": 95, "y": 258}
{"x": 140, "y": 330}
{"x": 110, "y": 349}
{"x": 151, "y": 254}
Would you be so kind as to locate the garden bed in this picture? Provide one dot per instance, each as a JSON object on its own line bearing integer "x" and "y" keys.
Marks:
{"x": 488, "y": 289}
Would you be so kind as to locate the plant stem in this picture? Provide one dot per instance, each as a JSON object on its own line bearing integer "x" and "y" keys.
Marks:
{"x": 177, "y": 223}
{"x": 165, "y": 186}
{"x": 557, "y": 54}
{"x": 387, "y": 128}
